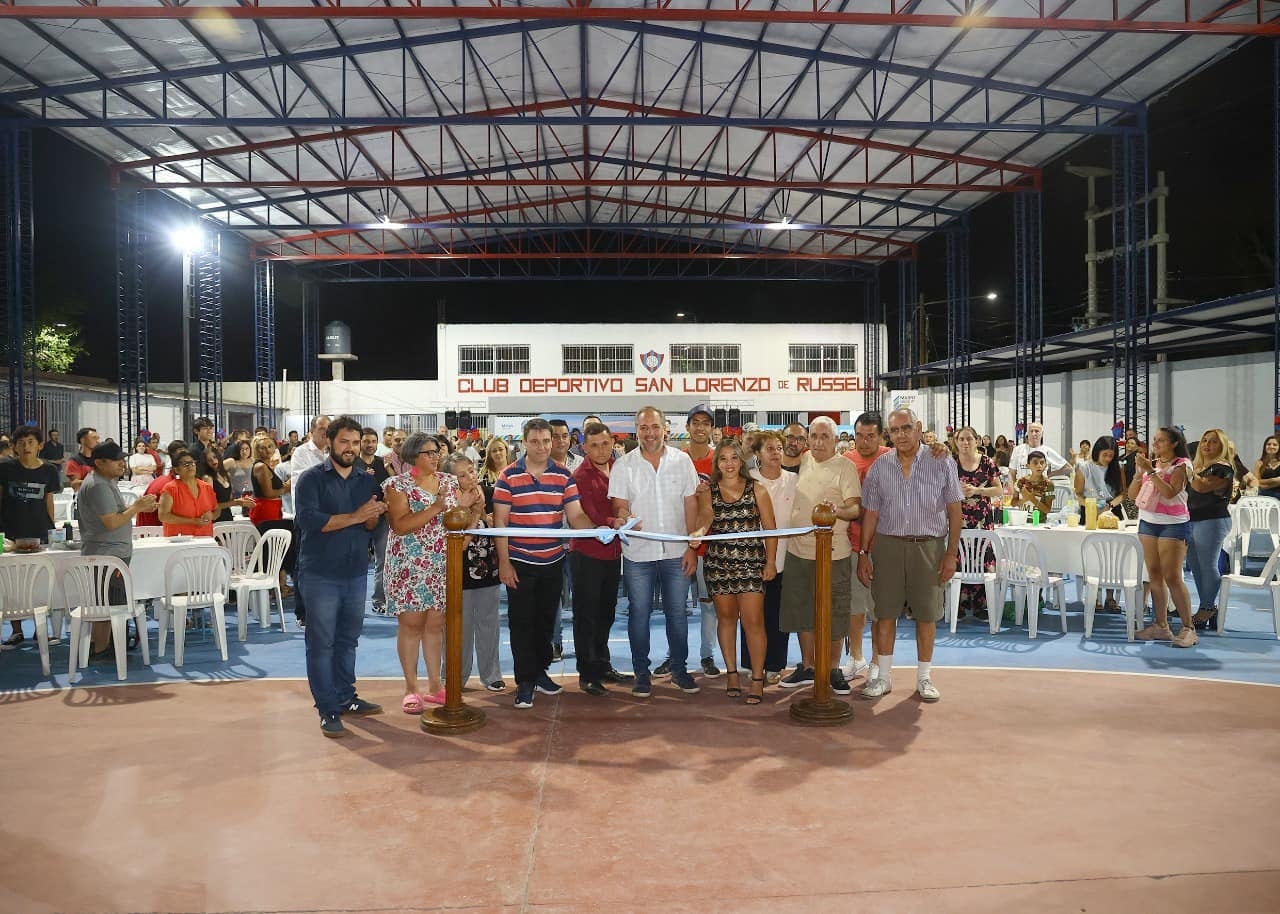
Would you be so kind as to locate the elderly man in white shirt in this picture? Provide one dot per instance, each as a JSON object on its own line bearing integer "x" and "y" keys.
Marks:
{"x": 658, "y": 484}
{"x": 1058, "y": 465}
{"x": 314, "y": 450}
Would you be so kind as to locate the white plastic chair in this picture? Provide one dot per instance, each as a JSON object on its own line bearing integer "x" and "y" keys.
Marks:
{"x": 20, "y": 582}
{"x": 240, "y": 541}
{"x": 1269, "y": 580}
{"x": 1253, "y": 512}
{"x": 205, "y": 574}
{"x": 146, "y": 531}
{"x": 1113, "y": 561}
{"x": 1062, "y": 494}
{"x": 1023, "y": 569}
{"x": 974, "y": 545}
{"x": 263, "y": 577}
{"x": 86, "y": 583}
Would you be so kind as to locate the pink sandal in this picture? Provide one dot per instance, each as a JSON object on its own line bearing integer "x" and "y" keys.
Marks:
{"x": 412, "y": 703}
{"x": 437, "y": 699}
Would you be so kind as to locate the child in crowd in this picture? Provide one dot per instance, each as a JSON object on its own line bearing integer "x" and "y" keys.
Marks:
{"x": 1035, "y": 491}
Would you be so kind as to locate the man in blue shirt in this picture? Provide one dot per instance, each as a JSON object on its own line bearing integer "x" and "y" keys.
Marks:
{"x": 337, "y": 510}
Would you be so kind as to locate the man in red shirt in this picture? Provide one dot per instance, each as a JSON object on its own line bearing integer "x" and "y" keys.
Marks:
{"x": 80, "y": 465}
{"x": 595, "y": 567}
{"x": 868, "y": 444}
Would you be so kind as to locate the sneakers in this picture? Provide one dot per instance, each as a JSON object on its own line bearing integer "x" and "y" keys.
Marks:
{"x": 876, "y": 688}
{"x": 616, "y": 677}
{"x": 358, "y": 707}
{"x": 496, "y": 686}
{"x": 773, "y": 677}
{"x": 593, "y": 688}
{"x": 642, "y": 688}
{"x": 709, "y": 668}
{"x": 1154, "y": 632}
{"x": 684, "y": 682}
{"x": 664, "y": 668}
{"x": 855, "y": 668}
{"x": 927, "y": 690}
{"x": 557, "y": 653}
{"x": 1186, "y": 637}
{"x": 546, "y": 685}
{"x": 524, "y": 695}
{"x": 331, "y": 726}
{"x": 838, "y": 683}
{"x": 800, "y": 676}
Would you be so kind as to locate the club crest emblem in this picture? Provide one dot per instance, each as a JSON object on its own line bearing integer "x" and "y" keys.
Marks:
{"x": 651, "y": 360}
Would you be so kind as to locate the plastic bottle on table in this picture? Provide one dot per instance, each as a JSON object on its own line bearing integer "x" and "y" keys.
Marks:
{"x": 1091, "y": 514}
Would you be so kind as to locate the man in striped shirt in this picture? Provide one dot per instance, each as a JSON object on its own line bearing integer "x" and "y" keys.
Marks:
{"x": 910, "y": 539}
{"x": 537, "y": 493}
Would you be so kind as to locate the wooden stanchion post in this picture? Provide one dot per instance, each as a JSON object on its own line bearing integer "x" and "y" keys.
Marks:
{"x": 456, "y": 716}
{"x": 822, "y": 710}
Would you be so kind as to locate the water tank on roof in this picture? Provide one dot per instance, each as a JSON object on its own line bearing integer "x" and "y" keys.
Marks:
{"x": 337, "y": 338}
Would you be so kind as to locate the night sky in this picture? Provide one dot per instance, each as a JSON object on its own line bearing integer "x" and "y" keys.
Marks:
{"x": 1212, "y": 136}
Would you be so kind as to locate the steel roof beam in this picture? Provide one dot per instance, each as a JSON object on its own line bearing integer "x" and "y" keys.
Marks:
{"x": 1252, "y": 21}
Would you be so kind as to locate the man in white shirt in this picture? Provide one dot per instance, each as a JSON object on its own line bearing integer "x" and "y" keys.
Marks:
{"x": 656, "y": 483}
{"x": 1058, "y": 465}
{"x": 314, "y": 451}
{"x": 384, "y": 446}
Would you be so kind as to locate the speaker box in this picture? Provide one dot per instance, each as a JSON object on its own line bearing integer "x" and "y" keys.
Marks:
{"x": 464, "y": 420}
{"x": 450, "y": 418}
{"x": 735, "y": 418}
{"x": 719, "y": 418}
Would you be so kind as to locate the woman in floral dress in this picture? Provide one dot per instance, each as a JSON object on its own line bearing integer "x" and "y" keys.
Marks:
{"x": 415, "y": 562}
{"x": 980, "y": 483}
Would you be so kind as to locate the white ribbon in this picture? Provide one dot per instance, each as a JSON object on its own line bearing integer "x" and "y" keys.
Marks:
{"x": 628, "y": 530}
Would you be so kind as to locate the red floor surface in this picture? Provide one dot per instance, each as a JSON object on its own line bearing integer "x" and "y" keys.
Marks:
{"x": 1021, "y": 791}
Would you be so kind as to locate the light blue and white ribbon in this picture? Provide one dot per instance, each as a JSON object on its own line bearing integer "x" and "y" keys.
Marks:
{"x": 628, "y": 530}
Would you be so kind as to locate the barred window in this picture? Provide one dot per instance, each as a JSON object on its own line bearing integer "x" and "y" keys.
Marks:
{"x": 706, "y": 358}
{"x": 824, "y": 358}
{"x": 592, "y": 359}
{"x": 781, "y": 418}
{"x": 493, "y": 360}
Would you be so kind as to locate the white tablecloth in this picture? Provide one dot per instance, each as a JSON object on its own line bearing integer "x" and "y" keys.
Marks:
{"x": 147, "y": 566}
{"x": 1060, "y": 546}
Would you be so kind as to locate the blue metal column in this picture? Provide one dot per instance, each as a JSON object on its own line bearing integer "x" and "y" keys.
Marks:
{"x": 1028, "y": 311}
{"x": 208, "y": 279}
{"x": 264, "y": 342}
{"x": 17, "y": 273}
{"x": 311, "y": 350}
{"x": 908, "y": 364}
{"x": 958, "y": 325}
{"x": 1129, "y": 278}
{"x": 131, "y": 316}
{"x": 872, "y": 318}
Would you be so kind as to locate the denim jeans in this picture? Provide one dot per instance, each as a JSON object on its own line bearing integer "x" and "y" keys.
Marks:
{"x": 379, "y": 561}
{"x": 335, "y": 618}
{"x": 1207, "y": 537}
{"x": 642, "y": 580}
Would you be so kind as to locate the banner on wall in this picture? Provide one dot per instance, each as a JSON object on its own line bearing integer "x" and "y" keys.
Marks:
{"x": 909, "y": 399}
{"x": 507, "y": 425}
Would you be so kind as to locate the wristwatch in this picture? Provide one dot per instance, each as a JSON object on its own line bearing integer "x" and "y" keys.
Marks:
{"x": 864, "y": 552}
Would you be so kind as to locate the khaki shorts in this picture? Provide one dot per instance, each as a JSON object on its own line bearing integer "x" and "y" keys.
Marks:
{"x": 907, "y": 572}
{"x": 861, "y": 601}
{"x": 796, "y": 612}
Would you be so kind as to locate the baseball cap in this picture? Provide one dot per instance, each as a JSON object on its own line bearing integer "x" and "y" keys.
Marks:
{"x": 703, "y": 409}
{"x": 108, "y": 450}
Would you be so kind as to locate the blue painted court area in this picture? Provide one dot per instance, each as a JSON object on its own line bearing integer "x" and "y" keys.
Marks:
{"x": 1248, "y": 652}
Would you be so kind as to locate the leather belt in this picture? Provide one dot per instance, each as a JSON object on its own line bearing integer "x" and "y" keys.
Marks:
{"x": 912, "y": 539}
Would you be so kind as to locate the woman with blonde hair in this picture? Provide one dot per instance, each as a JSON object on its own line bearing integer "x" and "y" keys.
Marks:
{"x": 1210, "y": 480}
{"x": 736, "y": 570}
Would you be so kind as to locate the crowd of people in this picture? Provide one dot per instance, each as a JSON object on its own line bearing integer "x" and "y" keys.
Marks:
{"x": 900, "y": 494}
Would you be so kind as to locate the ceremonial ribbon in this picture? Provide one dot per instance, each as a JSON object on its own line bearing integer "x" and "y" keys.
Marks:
{"x": 628, "y": 530}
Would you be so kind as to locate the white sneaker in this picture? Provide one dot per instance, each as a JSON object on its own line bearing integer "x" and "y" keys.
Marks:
{"x": 928, "y": 691}
{"x": 854, "y": 668}
{"x": 876, "y": 688}
{"x": 873, "y": 671}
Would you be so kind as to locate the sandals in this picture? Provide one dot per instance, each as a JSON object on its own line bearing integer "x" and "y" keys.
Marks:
{"x": 732, "y": 691}
{"x": 437, "y": 698}
{"x": 412, "y": 703}
{"x": 1206, "y": 622}
{"x": 753, "y": 698}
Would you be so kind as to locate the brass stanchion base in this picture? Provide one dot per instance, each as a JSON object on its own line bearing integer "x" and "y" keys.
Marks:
{"x": 810, "y": 712}
{"x": 443, "y": 722}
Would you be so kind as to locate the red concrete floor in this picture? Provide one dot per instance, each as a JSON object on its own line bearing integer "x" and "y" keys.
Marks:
{"x": 1021, "y": 791}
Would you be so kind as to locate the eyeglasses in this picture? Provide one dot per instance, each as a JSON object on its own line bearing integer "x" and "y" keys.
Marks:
{"x": 431, "y": 452}
{"x": 186, "y": 463}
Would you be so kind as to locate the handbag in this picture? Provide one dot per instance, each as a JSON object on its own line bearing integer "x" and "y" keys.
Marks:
{"x": 1147, "y": 497}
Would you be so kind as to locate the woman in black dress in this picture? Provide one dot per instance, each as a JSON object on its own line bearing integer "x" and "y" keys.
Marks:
{"x": 736, "y": 570}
